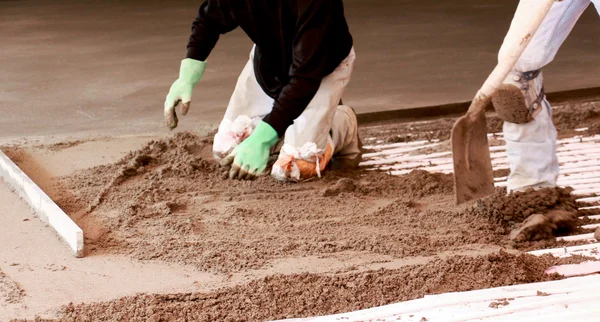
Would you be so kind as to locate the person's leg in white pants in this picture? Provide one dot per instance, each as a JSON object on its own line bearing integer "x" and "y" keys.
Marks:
{"x": 247, "y": 106}
{"x": 309, "y": 143}
{"x": 319, "y": 125}
{"x": 531, "y": 147}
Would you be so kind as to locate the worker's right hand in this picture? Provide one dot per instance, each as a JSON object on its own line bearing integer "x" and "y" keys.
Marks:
{"x": 249, "y": 159}
{"x": 190, "y": 73}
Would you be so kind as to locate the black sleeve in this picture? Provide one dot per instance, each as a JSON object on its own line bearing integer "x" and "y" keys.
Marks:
{"x": 309, "y": 64}
{"x": 213, "y": 20}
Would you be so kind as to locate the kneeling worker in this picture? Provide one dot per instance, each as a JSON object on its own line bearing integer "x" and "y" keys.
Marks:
{"x": 287, "y": 96}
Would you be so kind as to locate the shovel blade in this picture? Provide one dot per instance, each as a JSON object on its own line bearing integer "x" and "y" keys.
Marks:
{"x": 473, "y": 173}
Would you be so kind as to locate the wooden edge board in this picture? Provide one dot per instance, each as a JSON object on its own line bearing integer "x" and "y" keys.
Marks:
{"x": 42, "y": 205}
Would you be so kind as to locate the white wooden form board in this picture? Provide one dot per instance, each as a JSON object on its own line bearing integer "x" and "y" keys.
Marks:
{"x": 576, "y": 297}
{"x": 42, "y": 205}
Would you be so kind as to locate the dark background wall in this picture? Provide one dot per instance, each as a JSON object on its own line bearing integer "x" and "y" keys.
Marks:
{"x": 105, "y": 66}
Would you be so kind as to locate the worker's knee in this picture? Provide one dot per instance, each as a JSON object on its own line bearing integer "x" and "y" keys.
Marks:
{"x": 520, "y": 98}
{"x": 231, "y": 134}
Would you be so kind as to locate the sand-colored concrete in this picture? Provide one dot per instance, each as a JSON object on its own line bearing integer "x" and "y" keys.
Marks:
{"x": 50, "y": 276}
{"x": 354, "y": 244}
{"x": 32, "y": 256}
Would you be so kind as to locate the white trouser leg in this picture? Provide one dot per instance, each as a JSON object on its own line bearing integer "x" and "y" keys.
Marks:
{"x": 531, "y": 150}
{"x": 549, "y": 37}
{"x": 597, "y": 5}
{"x": 344, "y": 132}
{"x": 308, "y": 146}
{"x": 531, "y": 147}
{"x": 314, "y": 124}
{"x": 247, "y": 106}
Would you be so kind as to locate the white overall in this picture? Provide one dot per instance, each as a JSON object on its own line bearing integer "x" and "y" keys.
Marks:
{"x": 531, "y": 147}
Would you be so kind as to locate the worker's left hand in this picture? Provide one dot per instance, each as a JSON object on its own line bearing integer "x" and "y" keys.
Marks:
{"x": 190, "y": 73}
{"x": 249, "y": 159}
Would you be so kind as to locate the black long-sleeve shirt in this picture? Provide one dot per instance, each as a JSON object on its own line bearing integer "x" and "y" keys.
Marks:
{"x": 298, "y": 43}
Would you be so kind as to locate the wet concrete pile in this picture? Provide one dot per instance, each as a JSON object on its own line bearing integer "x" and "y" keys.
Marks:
{"x": 539, "y": 214}
{"x": 169, "y": 202}
{"x": 303, "y": 295}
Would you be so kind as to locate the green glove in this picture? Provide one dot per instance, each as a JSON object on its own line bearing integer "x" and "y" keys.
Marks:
{"x": 190, "y": 73}
{"x": 250, "y": 158}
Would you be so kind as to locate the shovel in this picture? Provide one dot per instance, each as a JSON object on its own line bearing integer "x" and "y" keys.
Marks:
{"x": 473, "y": 174}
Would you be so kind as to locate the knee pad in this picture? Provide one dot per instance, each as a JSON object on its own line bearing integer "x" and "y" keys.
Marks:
{"x": 520, "y": 99}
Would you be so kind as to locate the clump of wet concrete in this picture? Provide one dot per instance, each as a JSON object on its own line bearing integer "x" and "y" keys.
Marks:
{"x": 304, "y": 295}
{"x": 510, "y": 209}
{"x": 546, "y": 226}
{"x": 534, "y": 214}
{"x": 509, "y": 104}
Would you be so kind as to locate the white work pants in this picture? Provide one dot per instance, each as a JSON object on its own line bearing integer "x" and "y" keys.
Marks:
{"x": 322, "y": 122}
{"x": 531, "y": 147}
